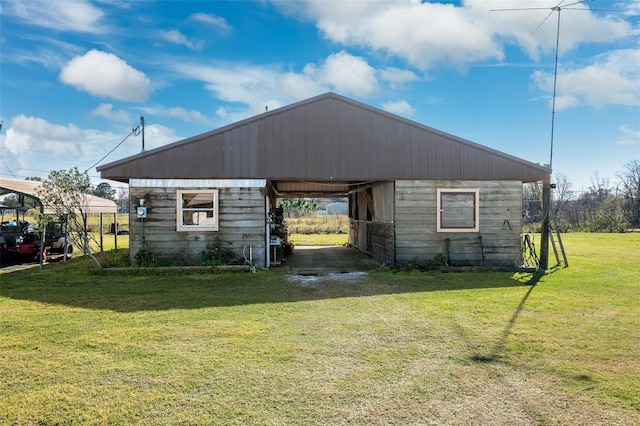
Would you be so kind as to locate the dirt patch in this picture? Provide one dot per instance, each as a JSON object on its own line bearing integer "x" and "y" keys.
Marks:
{"x": 313, "y": 279}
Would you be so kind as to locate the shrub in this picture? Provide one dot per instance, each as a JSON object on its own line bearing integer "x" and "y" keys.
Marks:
{"x": 146, "y": 257}
{"x": 415, "y": 264}
{"x": 438, "y": 260}
{"x": 114, "y": 258}
{"x": 213, "y": 255}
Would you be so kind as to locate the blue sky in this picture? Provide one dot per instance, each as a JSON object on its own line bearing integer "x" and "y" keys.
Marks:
{"x": 76, "y": 75}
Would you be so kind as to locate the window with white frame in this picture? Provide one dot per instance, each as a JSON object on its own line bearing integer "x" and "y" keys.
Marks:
{"x": 197, "y": 210}
{"x": 458, "y": 210}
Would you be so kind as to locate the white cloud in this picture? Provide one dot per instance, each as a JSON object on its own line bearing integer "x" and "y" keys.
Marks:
{"x": 630, "y": 137}
{"x": 50, "y": 53}
{"x": 104, "y": 74}
{"x": 76, "y": 16}
{"x": 400, "y": 107}
{"x": 31, "y": 138}
{"x": 176, "y": 37}
{"x": 259, "y": 86}
{"x": 300, "y": 86}
{"x": 49, "y": 59}
{"x": 397, "y": 77}
{"x": 611, "y": 79}
{"x": 222, "y": 112}
{"x": 191, "y": 116}
{"x": 107, "y": 111}
{"x": 217, "y": 22}
{"x": 232, "y": 82}
{"x": 28, "y": 140}
{"x": 157, "y": 135}
{"x": 346, "y": 74}
{"x": 426, "y": 34}
{"x": 633, "y": 8}
{"x": 422, "y": 33}
{"x": 532, "y": 25}
{"x": 253, "y": 86}
{"x": 186, "y": 115}
{"x": 39, "y": 128}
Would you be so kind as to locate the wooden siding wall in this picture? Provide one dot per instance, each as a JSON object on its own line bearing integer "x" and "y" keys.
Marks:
{"x": 376, "y": 238}
{"x": 500, "y": 223}
{"x": 241, "y": 223}
{"x": 383, "y": 201}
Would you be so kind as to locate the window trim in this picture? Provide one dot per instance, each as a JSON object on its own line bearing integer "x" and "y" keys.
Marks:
{"x": 180, "y": 227}
{"x": 440, "y": 211}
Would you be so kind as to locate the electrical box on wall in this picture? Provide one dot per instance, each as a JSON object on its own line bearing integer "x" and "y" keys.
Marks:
{"x": 141, "y": 212}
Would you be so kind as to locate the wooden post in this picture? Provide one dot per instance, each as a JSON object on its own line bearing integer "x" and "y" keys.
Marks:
{"x": 65, "y": 252}
{"x": 44, "y": 230}
{"x": 85, "y": 249}
{"x": 43, "y": 238}
{"x": 101, "y": 238}
{"x": 115, "y": 230}
{"x": 546, "y": 210}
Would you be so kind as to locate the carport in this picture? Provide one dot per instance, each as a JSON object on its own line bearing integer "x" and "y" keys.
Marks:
{"x": 32, "y": 190}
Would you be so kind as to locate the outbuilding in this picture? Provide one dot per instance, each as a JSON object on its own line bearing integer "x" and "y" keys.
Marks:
{"x": 414, "y": 192}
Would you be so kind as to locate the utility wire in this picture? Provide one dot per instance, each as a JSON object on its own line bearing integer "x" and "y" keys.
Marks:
{"x": 135, "y": 132}
{"x": 2, "y": 159}
{"x": 8, "y": 169}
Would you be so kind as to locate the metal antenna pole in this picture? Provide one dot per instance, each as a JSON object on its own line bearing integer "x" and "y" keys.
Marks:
{"x": 557, "y": 8}
{"x": 546, "y": 184}
{"x": 142, "y": 126}
{"x": 547, "y": 199}
{"x": 555, "y": 82}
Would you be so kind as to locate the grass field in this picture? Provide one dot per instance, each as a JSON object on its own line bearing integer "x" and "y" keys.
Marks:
{"x": 327, "y": 224}
{"x": 81, "y": 346}
{"x": 319, "y": 239}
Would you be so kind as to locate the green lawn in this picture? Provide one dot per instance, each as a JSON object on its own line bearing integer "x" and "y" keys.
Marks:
{"x": 81, "y": 346}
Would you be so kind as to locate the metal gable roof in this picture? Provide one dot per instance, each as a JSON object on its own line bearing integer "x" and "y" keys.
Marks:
{"x": 325, "y": 138}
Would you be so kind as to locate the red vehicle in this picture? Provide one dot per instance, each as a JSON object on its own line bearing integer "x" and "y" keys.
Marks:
{"x": 26, "y": 245}
{"x": 20, "y": 239}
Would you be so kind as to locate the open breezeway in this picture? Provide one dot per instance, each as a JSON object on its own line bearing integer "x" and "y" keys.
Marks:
{"x": 320, "y": 260}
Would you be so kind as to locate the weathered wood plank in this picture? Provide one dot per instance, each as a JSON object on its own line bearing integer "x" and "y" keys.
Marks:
{"x": 383, "y": 199}
{"x": 416, "y": 213}
{"x": 241, "y": 220}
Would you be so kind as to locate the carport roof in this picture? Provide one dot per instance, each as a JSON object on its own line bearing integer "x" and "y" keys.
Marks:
{"x": 328, "y": 138}
{"x": 31, "y": 188}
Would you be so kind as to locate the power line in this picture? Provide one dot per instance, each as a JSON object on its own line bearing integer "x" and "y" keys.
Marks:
{"x": 8, "y": 169}
{"x": 2, "y": 159}
{"x": 135, "y": 131}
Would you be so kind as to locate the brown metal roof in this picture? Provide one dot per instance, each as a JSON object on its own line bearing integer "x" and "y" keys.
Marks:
{"x": 322, "y": 139}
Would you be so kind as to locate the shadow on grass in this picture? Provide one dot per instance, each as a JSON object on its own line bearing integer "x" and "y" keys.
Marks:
{"x": 531, "y": 280}
{"x": 145, "y": 291}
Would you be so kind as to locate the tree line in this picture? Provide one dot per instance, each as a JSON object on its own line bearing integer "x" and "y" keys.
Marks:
{"x": 603, "y": 207}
